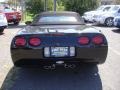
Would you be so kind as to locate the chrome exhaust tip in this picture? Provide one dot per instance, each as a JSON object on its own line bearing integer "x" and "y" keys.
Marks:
{"x": 51, "y": 67}
{"x": 66, "y": 66}
{"x": 46, "y": 67}
{"x": 72, "y": 66}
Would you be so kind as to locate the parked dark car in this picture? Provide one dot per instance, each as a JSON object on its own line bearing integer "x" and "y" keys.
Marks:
{"x": 12, "y": 16}
{"x": 58, "y": 38}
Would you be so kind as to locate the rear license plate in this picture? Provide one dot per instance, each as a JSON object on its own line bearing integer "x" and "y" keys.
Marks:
{"x": 59, "y": 51}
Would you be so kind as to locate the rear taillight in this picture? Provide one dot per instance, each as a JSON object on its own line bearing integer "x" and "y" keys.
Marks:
{"x": 97, "y": 40}
{"x": 20, "y": 41}
{"x": 83, "y": 40}
{"x": 18, "y": 13}
{"x": 35, "y": 41}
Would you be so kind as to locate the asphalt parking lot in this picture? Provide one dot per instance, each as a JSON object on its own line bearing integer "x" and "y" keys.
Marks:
{"x": 87, "y": 77}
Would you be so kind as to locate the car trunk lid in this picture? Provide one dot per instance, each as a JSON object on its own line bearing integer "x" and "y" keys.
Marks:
{"x": 57, "y": 29}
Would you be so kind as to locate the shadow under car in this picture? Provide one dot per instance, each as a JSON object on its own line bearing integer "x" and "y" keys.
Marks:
{"x": 84, "y": 77}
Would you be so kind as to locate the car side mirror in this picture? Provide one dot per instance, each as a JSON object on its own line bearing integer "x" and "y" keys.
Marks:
{"x": 28, "y": 22}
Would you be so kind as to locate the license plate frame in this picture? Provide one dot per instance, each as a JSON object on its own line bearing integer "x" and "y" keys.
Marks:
{"x": 59, "y": 52}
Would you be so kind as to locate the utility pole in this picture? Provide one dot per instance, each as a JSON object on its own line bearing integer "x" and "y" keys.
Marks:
{"x": 16, "y": 4}
{"x": 45, "y": 5}
{"x": 55, "y": 1}
{"x": 23, "y": 9}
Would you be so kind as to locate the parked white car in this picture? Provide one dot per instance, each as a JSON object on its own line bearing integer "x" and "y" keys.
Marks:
{"x": 89, "y": 16}
{"x": 107, "y": 18}
{"x": 3, "y": 22}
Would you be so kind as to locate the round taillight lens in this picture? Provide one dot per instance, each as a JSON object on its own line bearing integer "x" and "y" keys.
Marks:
{"x": 83, "y": 40}
{"x": 35, "y": 41}
{"x": 97, "y": 40}
{"x": 20, "y": 41}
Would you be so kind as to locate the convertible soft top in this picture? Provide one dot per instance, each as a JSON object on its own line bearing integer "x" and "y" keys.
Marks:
{"x": 59, "y": 13}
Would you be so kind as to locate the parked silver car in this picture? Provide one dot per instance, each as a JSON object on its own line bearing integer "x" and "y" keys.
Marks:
{"x": 3, "y": 22}
{"x": 89, "y": 16}
{"x": 107, "y": 18}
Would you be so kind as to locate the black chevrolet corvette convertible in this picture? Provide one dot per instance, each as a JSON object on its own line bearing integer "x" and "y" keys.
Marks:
{"x": 58, "y": 38}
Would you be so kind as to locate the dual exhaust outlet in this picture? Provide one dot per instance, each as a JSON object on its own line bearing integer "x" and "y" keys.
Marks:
{"x": 53, "y": 66}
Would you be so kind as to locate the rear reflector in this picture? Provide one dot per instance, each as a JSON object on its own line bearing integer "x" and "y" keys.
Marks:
{"x": 72, "y": 51}
{"x": 34, "y": 41}
{"x": 97, "y": 40}
{"x": 20, "y": 41}
{"x": 47, "y": 52}
{"x": 83, "y": 40}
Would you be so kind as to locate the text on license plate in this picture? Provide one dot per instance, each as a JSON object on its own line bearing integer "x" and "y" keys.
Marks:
{"x": 59, "y": 51}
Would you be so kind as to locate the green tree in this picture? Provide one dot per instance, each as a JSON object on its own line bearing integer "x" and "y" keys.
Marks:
{"x": 35, "y": 6}
{"x": 60, "y": 5}
{"x": 50, "y": 5}
{"x": 80, "y": 6}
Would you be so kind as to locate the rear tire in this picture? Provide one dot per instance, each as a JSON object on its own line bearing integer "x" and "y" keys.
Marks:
{"x": 16, "y": 23}
{"x": 1, "y": 30}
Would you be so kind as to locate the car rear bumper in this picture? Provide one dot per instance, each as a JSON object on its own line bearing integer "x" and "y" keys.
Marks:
{"x": 3, "y": 27}
{"x": 14, "y": 20}
{"x": 36, "y": 56}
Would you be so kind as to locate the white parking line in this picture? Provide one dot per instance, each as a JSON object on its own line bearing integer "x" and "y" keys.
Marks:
{"x": 115, "y": 51}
